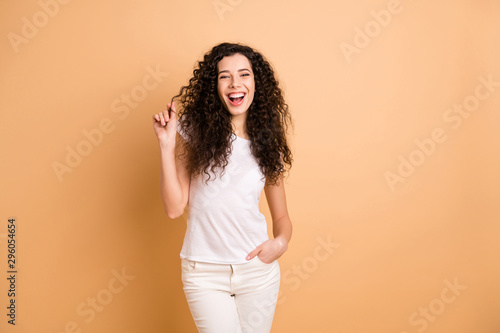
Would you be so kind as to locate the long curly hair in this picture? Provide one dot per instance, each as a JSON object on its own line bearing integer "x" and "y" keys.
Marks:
{"x": 207, "y": 124}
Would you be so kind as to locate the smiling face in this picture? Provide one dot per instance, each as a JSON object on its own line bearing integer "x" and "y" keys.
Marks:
{"x": 235, "y": 84}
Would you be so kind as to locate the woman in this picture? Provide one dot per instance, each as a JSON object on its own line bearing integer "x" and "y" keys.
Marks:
{"x": 228, "y": 144}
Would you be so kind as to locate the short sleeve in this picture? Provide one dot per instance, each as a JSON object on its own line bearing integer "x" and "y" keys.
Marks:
{"x": 181, "y": 131}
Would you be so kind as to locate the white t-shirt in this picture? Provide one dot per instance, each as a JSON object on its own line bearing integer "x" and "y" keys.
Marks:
{"x": 224, "y": 222}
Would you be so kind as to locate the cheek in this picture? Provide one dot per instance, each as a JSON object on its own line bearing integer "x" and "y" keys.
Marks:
{"x": 220, "y": 92}
{"x": 252, "y": 89}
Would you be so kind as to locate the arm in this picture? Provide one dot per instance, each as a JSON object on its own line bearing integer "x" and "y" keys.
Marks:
{"x": 282, "y": 225}
{"x": 174, "y": 177}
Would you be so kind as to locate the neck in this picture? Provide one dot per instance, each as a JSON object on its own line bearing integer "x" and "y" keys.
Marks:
{"x": 239, "y": 125}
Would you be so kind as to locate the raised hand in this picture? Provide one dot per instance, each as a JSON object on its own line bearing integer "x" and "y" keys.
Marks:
{"x": 165, "y": 124}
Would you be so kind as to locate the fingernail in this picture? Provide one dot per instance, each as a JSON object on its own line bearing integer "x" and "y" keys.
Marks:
{"x": 248, "y": 257}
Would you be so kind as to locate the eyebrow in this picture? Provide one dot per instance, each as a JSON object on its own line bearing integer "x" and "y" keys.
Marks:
{"x": 239, "y": 70}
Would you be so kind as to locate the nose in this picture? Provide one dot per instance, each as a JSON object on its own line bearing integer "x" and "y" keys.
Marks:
{"x": 235, "y": 82}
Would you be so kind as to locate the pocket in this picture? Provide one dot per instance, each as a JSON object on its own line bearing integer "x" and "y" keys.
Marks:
{"x": 271, "y": 272}
{"x": 264, "y": 263}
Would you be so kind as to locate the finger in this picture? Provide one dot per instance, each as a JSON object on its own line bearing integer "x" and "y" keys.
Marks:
{"x": 253, "y": 253}
{"x": 157, "y": 118}
{"x": 166, "y": 114}
{"x": 162, "y": 118}
{"x": 172, "y": 111}
{"x": 172, "y": 125}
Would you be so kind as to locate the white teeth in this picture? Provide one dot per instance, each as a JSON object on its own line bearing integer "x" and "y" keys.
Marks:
{"x": 236, "y": 95}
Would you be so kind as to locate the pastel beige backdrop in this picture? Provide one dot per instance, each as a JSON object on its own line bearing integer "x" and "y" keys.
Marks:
{"x": 393, "y": 194}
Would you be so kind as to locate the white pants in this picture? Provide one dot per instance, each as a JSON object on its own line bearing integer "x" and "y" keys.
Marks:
{"x": 231, "y": 298}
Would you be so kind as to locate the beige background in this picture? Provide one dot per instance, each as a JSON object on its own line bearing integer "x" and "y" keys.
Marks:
{"x": 367, "y": 254}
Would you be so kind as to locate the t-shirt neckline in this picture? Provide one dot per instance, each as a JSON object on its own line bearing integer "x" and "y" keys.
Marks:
{"x": 239, "y": 137}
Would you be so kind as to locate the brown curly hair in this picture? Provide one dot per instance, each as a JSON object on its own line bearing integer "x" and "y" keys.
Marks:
{"x": 202, "y": 116}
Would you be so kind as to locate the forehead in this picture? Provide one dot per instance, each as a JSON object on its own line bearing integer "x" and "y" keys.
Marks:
{"x": 234, "y": 62}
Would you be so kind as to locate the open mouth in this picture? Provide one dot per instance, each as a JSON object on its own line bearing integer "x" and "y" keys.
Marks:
{"x": 236, "y": 98}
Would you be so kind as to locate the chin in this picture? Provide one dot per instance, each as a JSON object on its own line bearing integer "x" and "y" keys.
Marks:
{"x": 236, "y": 111}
